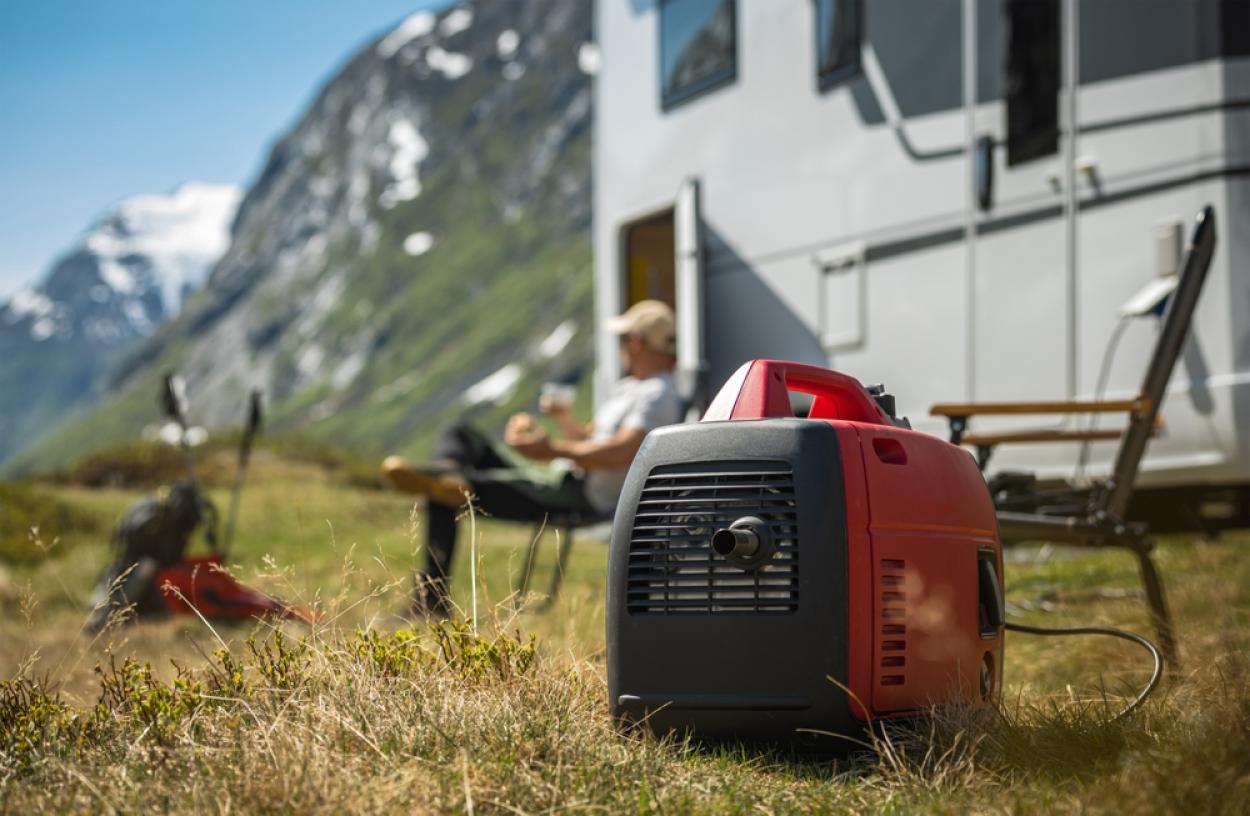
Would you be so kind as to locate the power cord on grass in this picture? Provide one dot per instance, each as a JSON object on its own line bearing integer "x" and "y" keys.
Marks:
{"x": 1155, "y": 675}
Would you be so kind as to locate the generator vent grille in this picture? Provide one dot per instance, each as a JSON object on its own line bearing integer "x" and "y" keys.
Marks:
{"x": 892, "y": 639}
{"x": 672, "y": 567}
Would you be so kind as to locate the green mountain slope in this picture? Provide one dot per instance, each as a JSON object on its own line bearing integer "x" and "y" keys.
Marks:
{"x": 415, "y": 249}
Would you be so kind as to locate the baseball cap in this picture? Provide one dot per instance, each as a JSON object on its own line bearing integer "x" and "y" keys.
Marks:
{"x": 653, "y": 321}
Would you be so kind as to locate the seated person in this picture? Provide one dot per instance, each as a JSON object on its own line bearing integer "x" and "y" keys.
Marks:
{"x": 503, "y": 479}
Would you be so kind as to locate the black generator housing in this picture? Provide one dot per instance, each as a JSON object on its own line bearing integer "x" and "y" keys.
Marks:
{"x": 699, "y": 643}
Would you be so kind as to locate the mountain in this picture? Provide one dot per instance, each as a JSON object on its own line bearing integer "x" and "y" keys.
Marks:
{"x": 125, "y": 276}
{"x": 415, "y": 249}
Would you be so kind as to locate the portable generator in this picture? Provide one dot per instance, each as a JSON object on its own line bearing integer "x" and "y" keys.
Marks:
{"x": 777, "y": 579}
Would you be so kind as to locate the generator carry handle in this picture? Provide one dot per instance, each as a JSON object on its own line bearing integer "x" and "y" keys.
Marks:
{"x": 760, "y": 390}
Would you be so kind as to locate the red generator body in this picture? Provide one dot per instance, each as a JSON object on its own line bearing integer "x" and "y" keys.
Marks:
{"x": 775, "y": 579}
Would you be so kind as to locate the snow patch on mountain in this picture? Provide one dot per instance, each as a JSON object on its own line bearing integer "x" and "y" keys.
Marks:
{"x": 117, "y": 277}
{"x": 348, "y": 369}
{"x": 28, "y": 303}
{"x": 42, "y": 329}
{"x": 457, "y": 20}
{"x": 496, "y": 387}
{"x": 310, "y": 360}
{"x": 181, "y": 235}
{"x": 131, "y": 269}
{"x": 414, "y": 26}
{"x": 448, "y": 63}
{"x": 418, "y": 243}
{"x": 507, "y": 43}
{"x": 46, "y": 317}
{"x": 408, "y": 150}
{"x": 589, "y": 58}
{"x": 558, "y": 340}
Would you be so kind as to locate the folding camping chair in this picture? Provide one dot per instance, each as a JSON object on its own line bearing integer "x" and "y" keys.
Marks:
{"x": 564, "y": 524}
{"x": 1095, "y": 517}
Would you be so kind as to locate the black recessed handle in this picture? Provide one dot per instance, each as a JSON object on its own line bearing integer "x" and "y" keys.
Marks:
{"x": 991, "y": 592}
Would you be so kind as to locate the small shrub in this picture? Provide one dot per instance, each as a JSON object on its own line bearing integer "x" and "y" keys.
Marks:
{"x": 159, "y": 709}
{"x": 142, "y": 465}
{"x": 33, "y": 721}
{"x": 467, "y": 655}
{"x": 133, "y": 465}
{"x": 473, "y": 657}
{"x": 282, "y": 665}
{"x": 225, "y": 675}
{"x": 392, "y": 654}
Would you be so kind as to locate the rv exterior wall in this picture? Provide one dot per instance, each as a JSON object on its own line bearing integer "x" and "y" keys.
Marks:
{"x": 835, "y": 220}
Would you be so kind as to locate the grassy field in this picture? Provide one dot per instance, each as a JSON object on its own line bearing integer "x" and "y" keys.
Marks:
{"x": 368, "y": 712}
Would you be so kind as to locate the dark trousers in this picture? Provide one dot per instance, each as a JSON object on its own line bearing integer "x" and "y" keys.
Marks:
{"x": 501, "y": 490}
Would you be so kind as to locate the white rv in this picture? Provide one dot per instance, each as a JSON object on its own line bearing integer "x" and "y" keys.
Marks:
{"x": 962, "y": 199}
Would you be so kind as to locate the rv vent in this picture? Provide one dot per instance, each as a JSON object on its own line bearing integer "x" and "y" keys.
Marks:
{"x": 672, "y": 567}
{"x": 892, "y": 635}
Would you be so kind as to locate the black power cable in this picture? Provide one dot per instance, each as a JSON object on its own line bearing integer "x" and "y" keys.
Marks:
{"x": 1155, "y": 676}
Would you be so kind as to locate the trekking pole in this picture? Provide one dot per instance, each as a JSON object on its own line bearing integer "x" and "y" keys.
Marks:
{"x": 254, "y": 417}
{"x": 174, "y": 403}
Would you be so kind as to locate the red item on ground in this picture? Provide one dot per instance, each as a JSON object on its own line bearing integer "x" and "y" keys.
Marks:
{"x": 202, "y": 585}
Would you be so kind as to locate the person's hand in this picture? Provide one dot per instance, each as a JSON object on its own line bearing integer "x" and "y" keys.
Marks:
{"x": 519, "y": 426}
{"x": 526, "y": 437}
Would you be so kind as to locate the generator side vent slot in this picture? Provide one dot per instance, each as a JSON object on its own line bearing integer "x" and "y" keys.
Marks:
{"x": 892, "y": 636}
{"x": 673, "y": 569}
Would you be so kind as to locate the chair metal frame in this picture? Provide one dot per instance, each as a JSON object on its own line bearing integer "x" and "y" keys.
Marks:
{"x": 564, "y": 524}
{"x": 1100, "y": 519}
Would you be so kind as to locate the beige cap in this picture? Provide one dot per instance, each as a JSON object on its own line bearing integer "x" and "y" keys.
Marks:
{"x": 653, "y": 321}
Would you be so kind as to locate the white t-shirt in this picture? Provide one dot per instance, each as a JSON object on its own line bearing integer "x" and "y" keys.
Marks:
{"x": 632, "y": 403}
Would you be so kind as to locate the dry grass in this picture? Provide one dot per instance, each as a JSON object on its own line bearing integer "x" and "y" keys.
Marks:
{"x": 364, "y": 714}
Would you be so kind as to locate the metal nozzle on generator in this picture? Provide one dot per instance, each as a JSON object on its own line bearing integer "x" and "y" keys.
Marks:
{"x": 746, "y": 541}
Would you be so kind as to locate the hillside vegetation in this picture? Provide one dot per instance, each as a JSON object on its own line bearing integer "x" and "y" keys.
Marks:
{"x": 367, "y": 711}
{"x": 415, "y": 248}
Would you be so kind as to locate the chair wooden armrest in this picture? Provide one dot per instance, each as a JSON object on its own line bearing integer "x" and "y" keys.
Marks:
{"x": 1045, "y": 435}
{"x": 958, "y": 413}
{"x": 968, "y": 409}
{"x": 985, "y": 443}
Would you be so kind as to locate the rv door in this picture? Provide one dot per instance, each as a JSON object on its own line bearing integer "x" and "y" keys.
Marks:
{"x": 688, "y": 246}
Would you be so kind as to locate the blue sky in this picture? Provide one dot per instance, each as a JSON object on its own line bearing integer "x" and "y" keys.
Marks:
{"x": 100, "y": 99}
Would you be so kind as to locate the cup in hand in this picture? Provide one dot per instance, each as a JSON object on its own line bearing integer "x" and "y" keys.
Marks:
{"x": 557, "y": 397}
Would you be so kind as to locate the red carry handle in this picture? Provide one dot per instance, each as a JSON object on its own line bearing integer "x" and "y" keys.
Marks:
{"x": 759, "y": 389}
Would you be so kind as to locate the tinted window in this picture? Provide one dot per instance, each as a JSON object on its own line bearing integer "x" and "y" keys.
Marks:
{"x": 917, "y": 43}
{"x": 837, "y": 41}
{"x": 697, "y": 47}
{"x": 1032, "y": 79}
{"x": 1162, "y": 35}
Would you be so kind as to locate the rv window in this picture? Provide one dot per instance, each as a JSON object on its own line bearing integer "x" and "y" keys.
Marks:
{"x": 1033, "y": 79}
{"x": 837, "y": 41}
{"x": 698, "y": 48}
